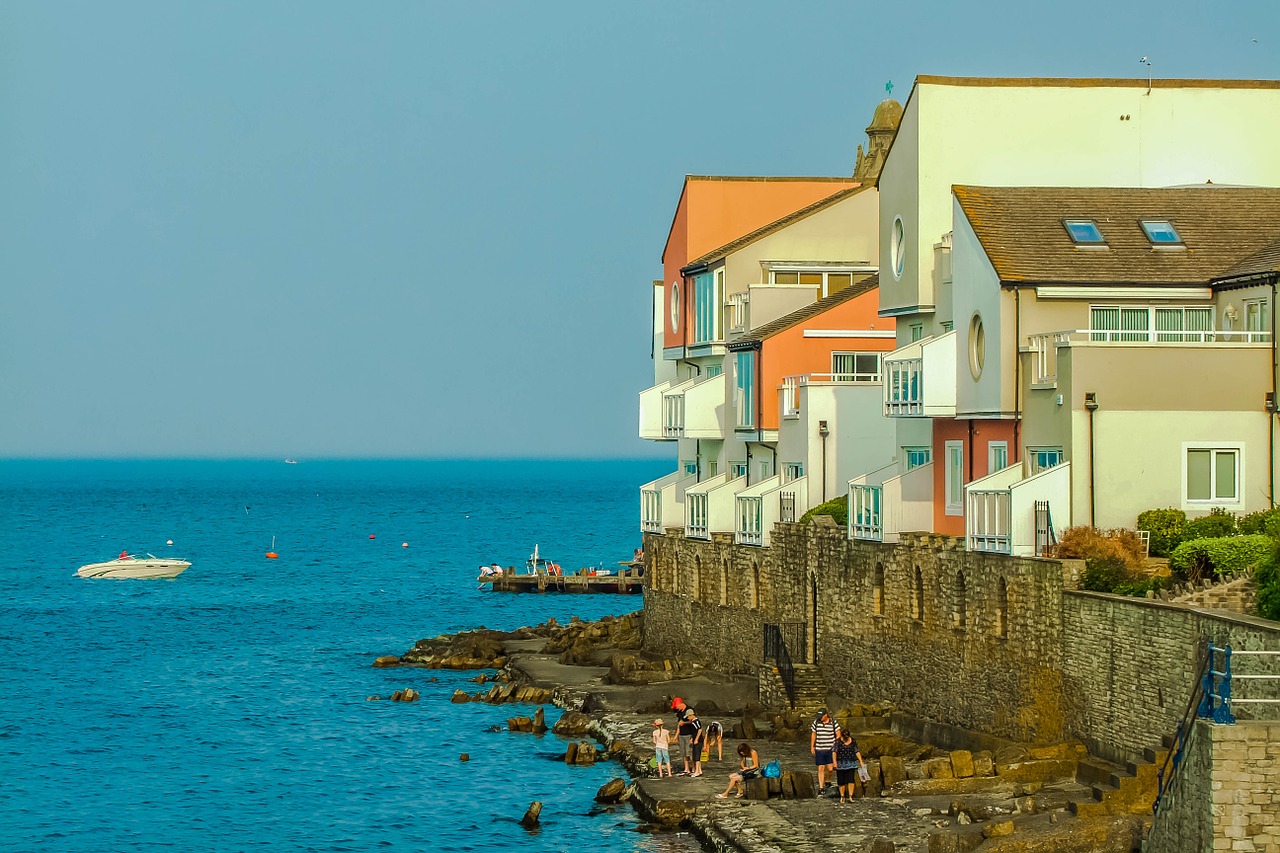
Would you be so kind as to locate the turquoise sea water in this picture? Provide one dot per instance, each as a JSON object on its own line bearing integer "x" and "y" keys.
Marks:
{"x": 226, "y": 709}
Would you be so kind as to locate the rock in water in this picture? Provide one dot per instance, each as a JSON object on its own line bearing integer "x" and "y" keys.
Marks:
{"x": 459, "y": 696}
{"x": 386, "y": 661}
{"x": 539, "y": 721}
{"x": 530, "y": 819}
{"x": 571, "y": 753}
{"x": 611, "y": 791}
{"x": 464, "y": 757}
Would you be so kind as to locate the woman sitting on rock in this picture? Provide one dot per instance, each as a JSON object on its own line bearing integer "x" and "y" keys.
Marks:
{"x": 750, "y": 769}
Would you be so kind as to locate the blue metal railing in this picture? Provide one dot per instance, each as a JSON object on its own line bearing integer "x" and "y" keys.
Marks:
{"x": 1215, "y": 701}
{"x": 1168, "y": 772}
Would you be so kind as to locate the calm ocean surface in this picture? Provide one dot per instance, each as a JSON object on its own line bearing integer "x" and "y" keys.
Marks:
{"x": 225, "y": 709}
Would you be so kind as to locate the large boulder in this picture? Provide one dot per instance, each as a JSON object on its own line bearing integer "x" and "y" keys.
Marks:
{"x": 962, "y": 763}
{"x": 893, "y": 769}
{"x": 612, "y": 791}
{"x": 572, "y": 724}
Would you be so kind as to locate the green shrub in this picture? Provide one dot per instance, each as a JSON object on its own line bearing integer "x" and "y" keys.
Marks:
{"x": 1263, "y": 521}
{"x": 1267, "y": 577}
{"x": 1216, "y": 524}
{"x": 1166, "y": 529}
{"x": 1221, "y": 557}
{"x": 1104, "y": 574}
{"x": 1142, "y": 587}
{"x": 837, "y": 508}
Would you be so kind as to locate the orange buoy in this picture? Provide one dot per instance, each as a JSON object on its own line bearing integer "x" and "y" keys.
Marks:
{"x": 271, "y": 555}
{"x": 371, "y": 536}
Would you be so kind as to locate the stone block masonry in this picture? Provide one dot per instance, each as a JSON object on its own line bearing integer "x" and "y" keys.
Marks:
{"x": 993, "y": 643}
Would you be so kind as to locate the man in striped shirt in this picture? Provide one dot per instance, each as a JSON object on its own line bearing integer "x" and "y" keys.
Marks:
{"x": 822, "y": 743}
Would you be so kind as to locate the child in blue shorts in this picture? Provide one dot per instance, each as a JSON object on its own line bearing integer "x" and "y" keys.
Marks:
{"x": 661, "y": 747}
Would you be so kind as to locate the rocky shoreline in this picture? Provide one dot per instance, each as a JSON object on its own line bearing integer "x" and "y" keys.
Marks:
{"x": 998, "y": 799}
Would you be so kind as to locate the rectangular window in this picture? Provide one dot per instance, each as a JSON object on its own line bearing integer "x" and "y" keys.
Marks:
{"x": 690, "y": 467}
{"x": 1145, "y": 323}
{"x": 715, "y": 370}
{"x": 1043, "y": 458}
{"x": 1256, "y": 318}
{"x": 1213, "y": 475}
{"x": 1161, "y": 232}
{"x": 793, "y": 471}
{"x": 712, "y": 467}
{"x": 738, "y": 469}
{"x": 917, "y": 332}
{"x": 745, "y": 383}
{"x": 823, "y": 283}
{"x": 855, "y": 366}
{"x": 707, "y": 307}
{"x": 917, "y": 456}
{"x": 948, "y": 326}
{"x": 954, "y": 487}
{"x": 1084, "y": 232}
{"x": 997, "y": 456}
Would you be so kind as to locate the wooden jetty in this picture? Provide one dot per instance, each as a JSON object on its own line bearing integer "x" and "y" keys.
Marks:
{"x": 625, "y": 581}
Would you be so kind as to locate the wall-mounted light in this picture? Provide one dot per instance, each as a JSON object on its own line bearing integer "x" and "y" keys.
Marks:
{"x": 1231, "y": 313}
{"x": 1091, "y": 401}
{"x": 823, "y": 429}
{"x": 1269, "y": 402}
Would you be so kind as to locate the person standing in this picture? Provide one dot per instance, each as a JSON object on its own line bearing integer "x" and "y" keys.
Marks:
{"x": 822, "y": 743}
{"x": 685, "y": 729}
{"x": 848, "y": 763}
{"x": 698, "y": 743}
{"x": 662, "y": 747}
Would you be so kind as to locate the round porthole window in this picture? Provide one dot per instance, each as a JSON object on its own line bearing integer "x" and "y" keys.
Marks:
{"x": 977, "y": 346}
{"x": 898, "y": 249}
{"x": 675, "y": 306}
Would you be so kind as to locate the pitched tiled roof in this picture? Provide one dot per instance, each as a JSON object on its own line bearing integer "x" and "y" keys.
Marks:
{"x": 1264, "y": 260}
{"x": 776, "y": 225}
{"x": 753, "y": 339}
{"x": 1021, "y": 230}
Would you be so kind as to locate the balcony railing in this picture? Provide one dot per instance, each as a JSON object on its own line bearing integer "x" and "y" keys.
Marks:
{"x": 651, "y": 510}
{"x": 1045, "y": 352}
{"x": 750, "y": 521}
{"x": 787, "y": 506}
{"x": 673, "y": 415}
{"x": 697, "y": 528}
{"x": 789, "y": 404}
{"x": 789, "y": 390}
{"x": 737, "y": 309}
{"x": 865, "y": 521}
{"x": 903, "y": 388}
{"x": 1044, "y": 347}
{"x": 990, "y": 520}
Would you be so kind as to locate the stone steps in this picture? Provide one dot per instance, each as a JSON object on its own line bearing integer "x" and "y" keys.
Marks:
{"x": 1116, "y": 791}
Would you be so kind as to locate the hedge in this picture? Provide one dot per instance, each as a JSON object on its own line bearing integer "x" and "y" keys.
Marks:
{"x": 837, "y": 508}
{"x": 1165, "y": 527}
{"x": 1219, "y": 557}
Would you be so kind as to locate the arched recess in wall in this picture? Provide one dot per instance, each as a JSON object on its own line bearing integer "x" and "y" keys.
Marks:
{"x": 695, "y": 590}
{"x": 1002, "y": 609}
{"x": 917, "y": 604}
{"x": 877, "y": 590}
{"x": 724, "y": 582}
{"x": 755, "y": 585}
{"x": 961, "y": 605}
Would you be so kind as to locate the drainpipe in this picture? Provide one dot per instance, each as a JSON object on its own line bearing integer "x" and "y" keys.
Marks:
{"x": 824, "y": 431}
{"x": 1091, "y": 406}
{"x": 1017, "y": 374}
{"x": 1271, "y": 408}
{"x": 970, "y": 450}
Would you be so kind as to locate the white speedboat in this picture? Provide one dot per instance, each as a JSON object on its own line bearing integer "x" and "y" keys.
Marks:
{"x": 129, "y": 566}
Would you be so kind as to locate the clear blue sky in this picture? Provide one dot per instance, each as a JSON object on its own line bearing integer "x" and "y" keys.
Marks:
{"x": 427, "y": 229}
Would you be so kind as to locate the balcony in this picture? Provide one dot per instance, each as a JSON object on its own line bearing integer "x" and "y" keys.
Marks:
{"x": 1044, "y": 349}
{"x": 920, "y": 379}
{"x": 1006, "y": 513}
{"x": 662, "y": 502}
{"x": 884, "y": 503}
{"x": 710, "y": 506}
{"x": 766, "y": 503}
{"x": 737, "y": 312}
{"x": 789, "y": 392}
{"x": 693, "y": 408}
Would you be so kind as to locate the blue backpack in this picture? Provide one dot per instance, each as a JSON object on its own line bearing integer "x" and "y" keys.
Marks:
{"x": 772, "y": 770}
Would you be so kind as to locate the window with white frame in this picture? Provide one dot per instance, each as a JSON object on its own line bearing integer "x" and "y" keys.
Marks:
{"x": 824, "y": 283}
{"x": 715, "y": 370}
{"x": 855, "y": 366}
{"x": 690, "y": 467}
{"x": 917, "y": 456}
{"x": 737, "y": 469}
{"x": 917, "y": 332}
{"x": 745, "y": 383}
{"x": 1213, "y": 474}
{"x": 1043, "y": 458}
{"x": 793, "y": 471}
{"x": 954, "y": 484}
{"x": 1148, "y": 323}
{"x": 1256, "y": 317}
{"x": 706, "y": 299}
{"x": 997, "y": 456}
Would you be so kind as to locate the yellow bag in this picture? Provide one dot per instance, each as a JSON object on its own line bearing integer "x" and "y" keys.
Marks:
{"x": 706, "y": 755}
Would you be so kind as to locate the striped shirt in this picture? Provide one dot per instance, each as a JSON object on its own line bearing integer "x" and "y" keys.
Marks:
{"x": 824, "y": 734}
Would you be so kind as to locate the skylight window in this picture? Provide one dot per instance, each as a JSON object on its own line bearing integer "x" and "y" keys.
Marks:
{"x": 1161, "y": 232}
{"x": 1084, "y": 232}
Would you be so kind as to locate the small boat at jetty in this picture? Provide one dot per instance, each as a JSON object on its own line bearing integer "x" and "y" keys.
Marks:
{"x": 129, "y": 566}
{"x": 545, "y": 575}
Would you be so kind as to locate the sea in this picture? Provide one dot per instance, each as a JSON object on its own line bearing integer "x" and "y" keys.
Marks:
{"x": 227, "y": 709}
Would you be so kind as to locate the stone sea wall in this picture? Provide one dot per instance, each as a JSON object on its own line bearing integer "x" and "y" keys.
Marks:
{"x": 997, "y": 644}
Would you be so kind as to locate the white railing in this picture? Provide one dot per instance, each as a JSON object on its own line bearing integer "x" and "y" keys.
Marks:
{"x": 990, "y": 520}
{"x": 738, "y": 311}
{"x": 789, "y": 403}
{"x": 697, "y": 525}
{"x": 750, "y": 521}
{"x": 1045, "y": 350}
{"x": 651, "y": 510}
{"x": 865, "y": 521}
{"x": 673, "y": 415}
{"x": 903, "y": 389}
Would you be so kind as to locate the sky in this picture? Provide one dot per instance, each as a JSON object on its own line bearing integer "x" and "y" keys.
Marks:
{"x": 419, "y": 229}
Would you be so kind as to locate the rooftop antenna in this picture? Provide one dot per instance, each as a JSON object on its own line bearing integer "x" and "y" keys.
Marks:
{"x": 1147, "y": 62}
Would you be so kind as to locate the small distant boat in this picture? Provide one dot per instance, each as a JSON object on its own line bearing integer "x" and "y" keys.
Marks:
{"x": 129, "y": 566}
{"x": 291, "y": 461}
